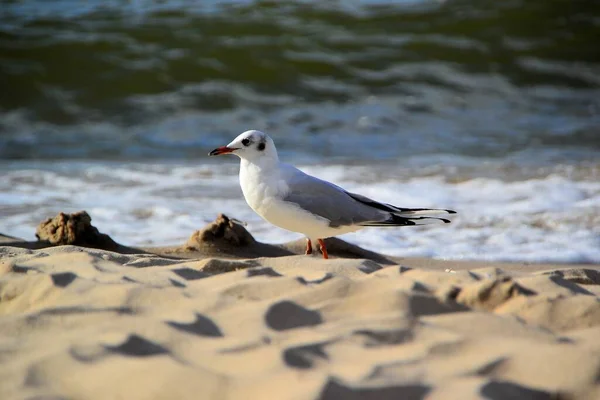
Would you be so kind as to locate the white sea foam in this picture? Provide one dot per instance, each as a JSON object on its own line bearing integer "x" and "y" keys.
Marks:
{"x": 541, "y": 218}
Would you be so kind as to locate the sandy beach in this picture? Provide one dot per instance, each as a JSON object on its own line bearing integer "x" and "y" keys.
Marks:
{"x": 226, "y": 317}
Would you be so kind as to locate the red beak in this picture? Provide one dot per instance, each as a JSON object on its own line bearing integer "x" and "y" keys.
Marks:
{"x": 221, "y": 150}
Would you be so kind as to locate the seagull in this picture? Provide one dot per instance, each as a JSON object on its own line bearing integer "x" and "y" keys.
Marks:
{"x": 293, "y": 200}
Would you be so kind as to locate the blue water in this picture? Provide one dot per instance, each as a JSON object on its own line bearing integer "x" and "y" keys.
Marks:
{"x": 490, "y": 108}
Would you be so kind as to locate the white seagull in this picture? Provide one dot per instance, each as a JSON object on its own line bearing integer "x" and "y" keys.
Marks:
{"x": 298, "y": 202}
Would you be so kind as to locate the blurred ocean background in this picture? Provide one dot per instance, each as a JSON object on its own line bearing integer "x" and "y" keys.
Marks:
{"x": 491, "y": 108}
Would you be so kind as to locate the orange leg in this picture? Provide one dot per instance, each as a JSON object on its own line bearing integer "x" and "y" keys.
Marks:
{"x": 323, "y": 249}
{"x": 308, "y": 246}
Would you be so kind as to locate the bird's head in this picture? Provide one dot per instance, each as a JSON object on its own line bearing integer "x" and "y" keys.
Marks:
{"x": 250, "y": 145}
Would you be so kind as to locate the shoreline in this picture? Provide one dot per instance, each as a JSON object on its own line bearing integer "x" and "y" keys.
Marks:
{"x": 294, "y": 248}
{"x": 226, "y": 238}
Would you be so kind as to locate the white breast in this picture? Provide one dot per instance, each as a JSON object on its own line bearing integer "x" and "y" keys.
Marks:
{"x": 260, "y": 186}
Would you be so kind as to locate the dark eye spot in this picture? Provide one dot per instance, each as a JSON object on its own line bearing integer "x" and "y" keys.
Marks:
{"x": 261, "y": 146}
{"x": 246, "y": 142}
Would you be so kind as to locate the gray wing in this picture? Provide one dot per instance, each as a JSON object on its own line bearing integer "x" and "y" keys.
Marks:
{"x": 343, "y": 208}
{"x": 330, "y": 201}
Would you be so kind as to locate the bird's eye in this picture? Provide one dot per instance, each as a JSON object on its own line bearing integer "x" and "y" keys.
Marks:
{"x": 246, "y": 142}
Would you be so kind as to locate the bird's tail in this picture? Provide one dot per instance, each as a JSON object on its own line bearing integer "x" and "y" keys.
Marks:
{"x": 412, "y": 216}
{"x": 399, "y": 216}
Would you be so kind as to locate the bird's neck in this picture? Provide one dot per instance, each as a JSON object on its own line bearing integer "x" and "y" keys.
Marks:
{"x": 260, "y": 165}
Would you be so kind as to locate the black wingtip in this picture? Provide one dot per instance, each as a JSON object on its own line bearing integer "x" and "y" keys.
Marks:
{"x": 446, "y": 221}
{"x": 450, "y": 211}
